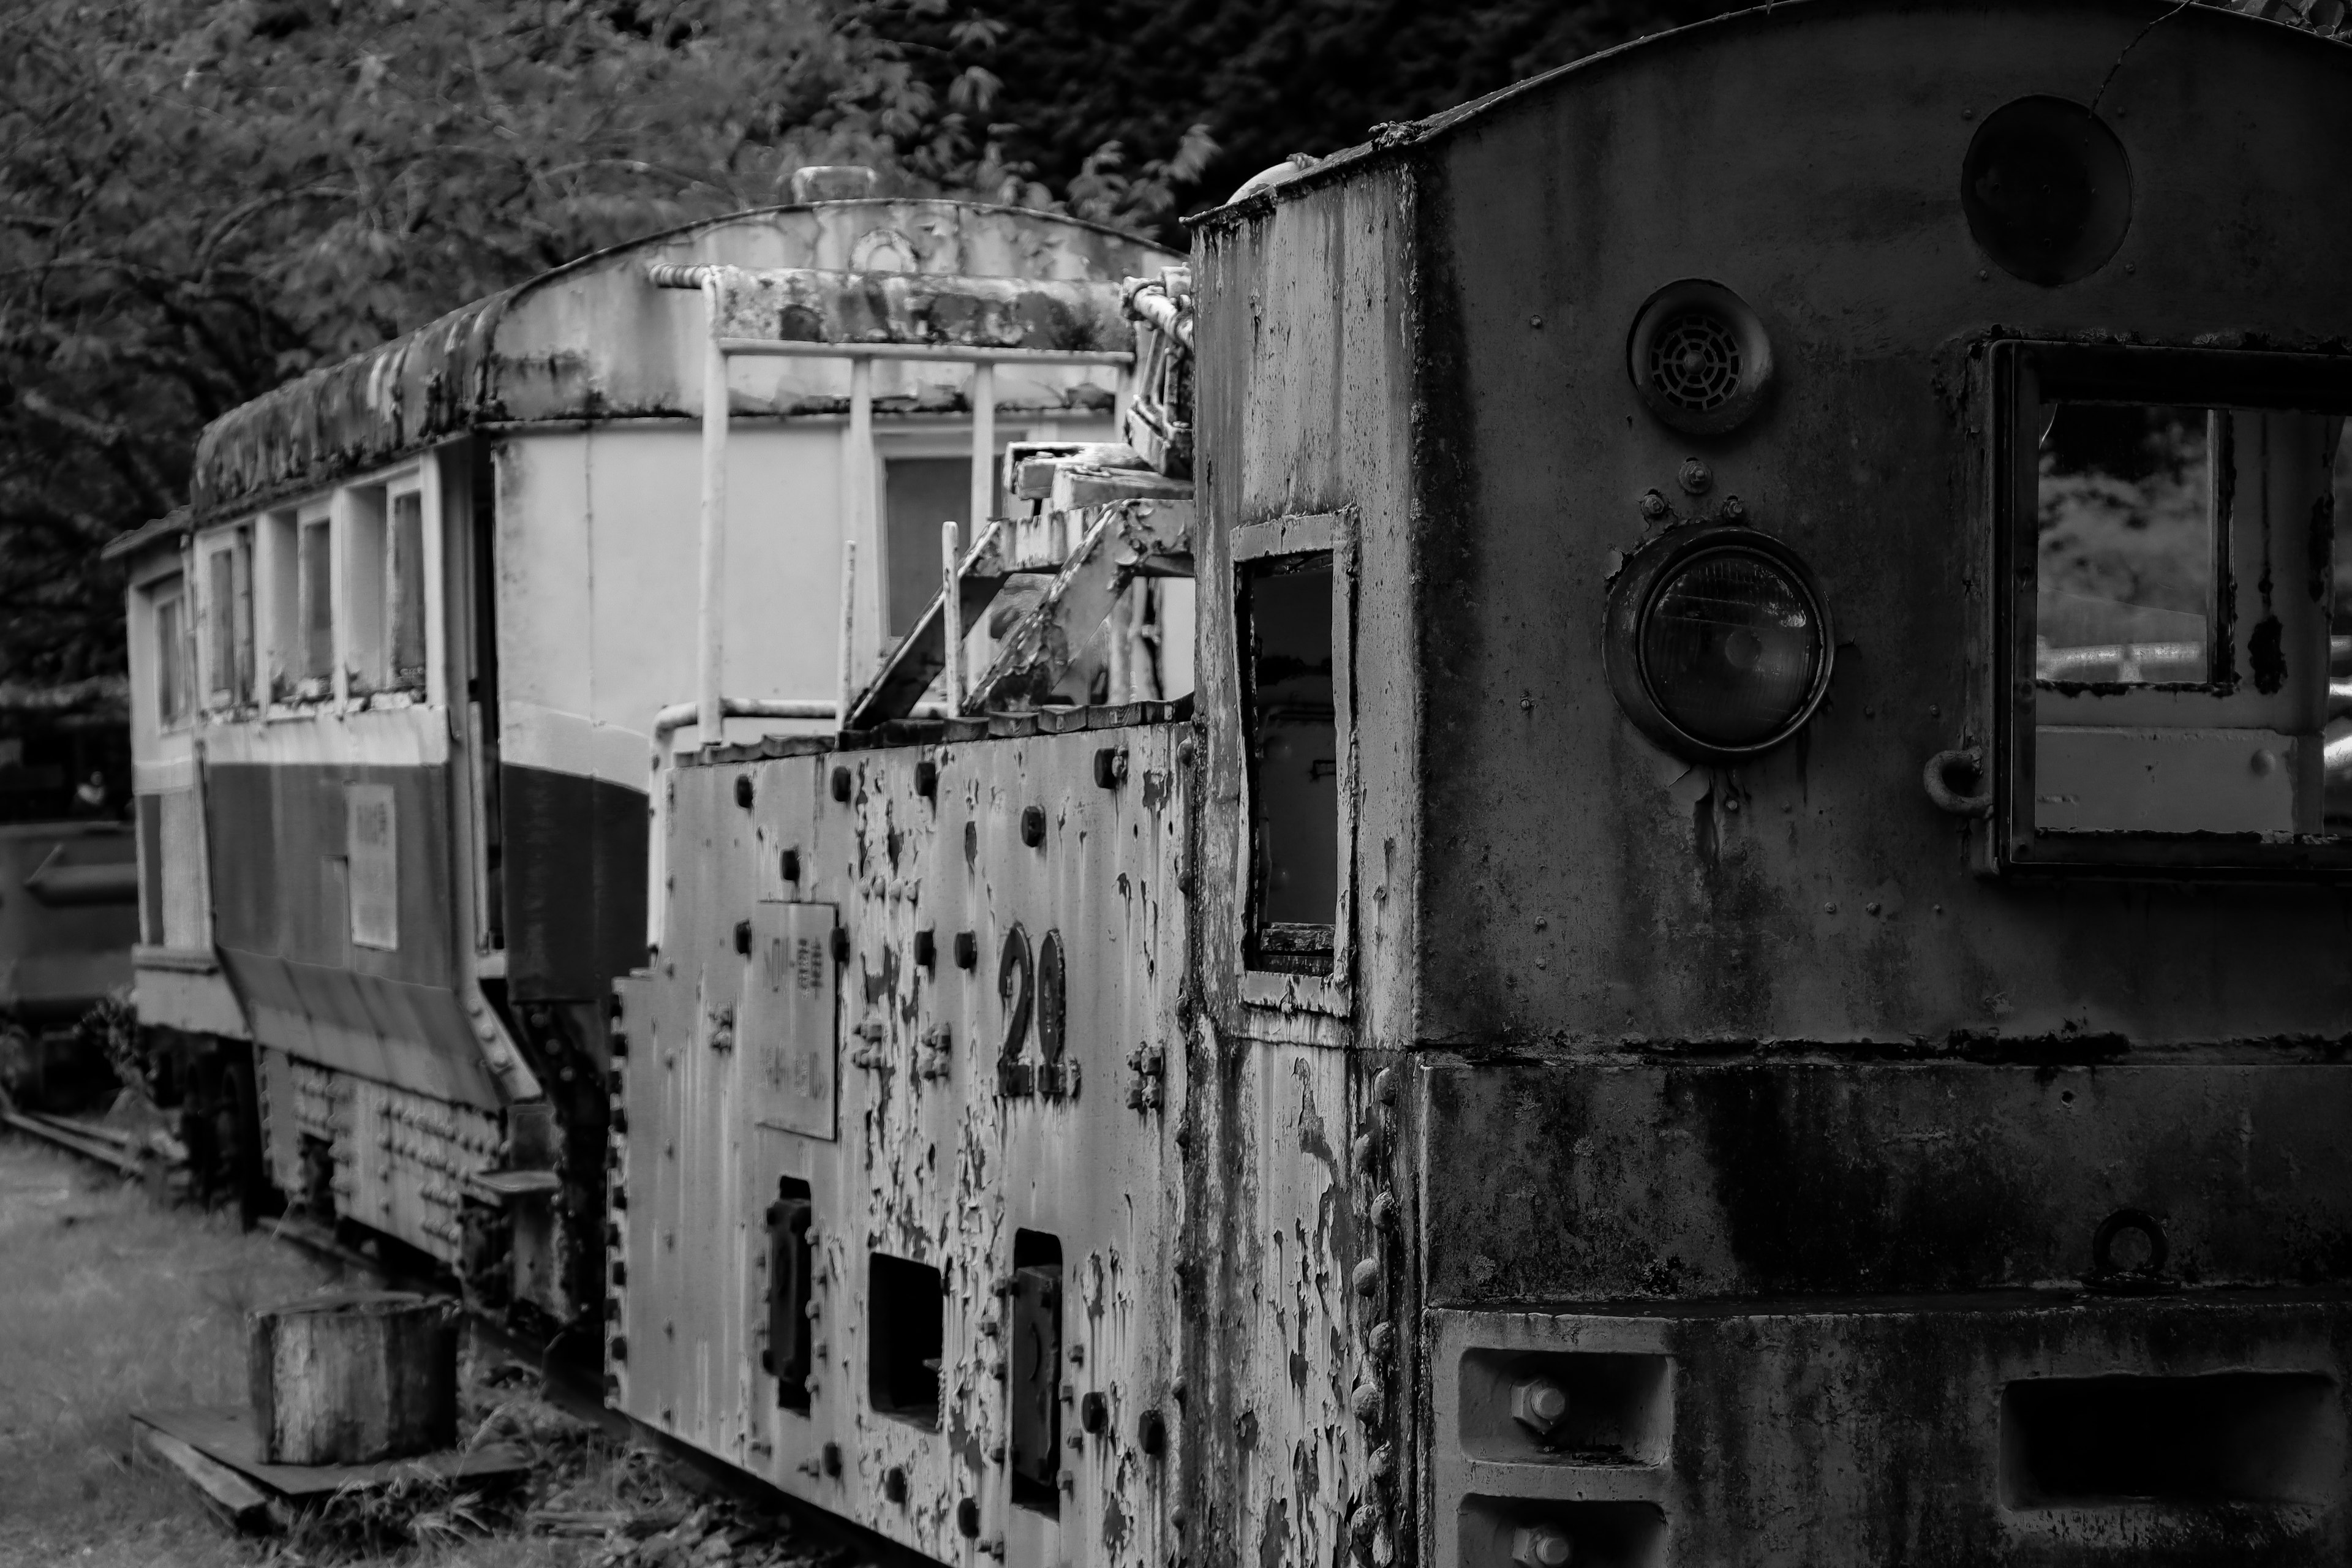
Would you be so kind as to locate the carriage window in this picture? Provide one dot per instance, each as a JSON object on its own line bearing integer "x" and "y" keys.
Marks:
{"x": 918, "y": 495}
{"x": 363, "y": 589}
{"x": 1289, "y": 690}
{"x": 314, "y": 643}
{"x": 173, "y": 693}
{"x": 228, "y": 620}
{"x": 406, "y": 573}
{"x": 2126, "y": 564}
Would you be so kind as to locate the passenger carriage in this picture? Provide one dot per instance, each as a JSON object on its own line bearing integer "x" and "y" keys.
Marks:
{"x": 401, "y": 669}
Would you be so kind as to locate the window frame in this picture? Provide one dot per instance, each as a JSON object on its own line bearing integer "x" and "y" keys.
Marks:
{"x": 2022, "y": 373}
{"x": 173, "y": 680}
{"x": 231, "y": 624}
{"x": 1296, "y": 536}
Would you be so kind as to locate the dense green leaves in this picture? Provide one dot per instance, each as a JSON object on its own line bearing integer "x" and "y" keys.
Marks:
{"x": 200, "y": 199}
{"x": 1259, "y": 79}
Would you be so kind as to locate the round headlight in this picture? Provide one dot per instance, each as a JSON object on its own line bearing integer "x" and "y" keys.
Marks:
{"x": 1718, "y": 644}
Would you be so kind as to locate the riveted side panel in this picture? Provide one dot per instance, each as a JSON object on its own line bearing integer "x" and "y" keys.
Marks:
{"x": 984, "y": 1112}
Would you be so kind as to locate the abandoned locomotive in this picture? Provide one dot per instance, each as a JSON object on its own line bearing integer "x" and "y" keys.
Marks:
{"x": 1739, "y": 957}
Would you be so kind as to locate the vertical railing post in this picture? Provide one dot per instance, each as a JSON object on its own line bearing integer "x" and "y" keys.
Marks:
{"x": 848, "y": 683}
{"x": 984, "y": 447}
{"x": 711, "y": 604}
{"x": 951, "y": 614}
{"x": 858, "y": 511}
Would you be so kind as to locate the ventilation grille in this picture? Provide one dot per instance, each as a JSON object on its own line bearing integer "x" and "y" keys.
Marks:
{"x": 1695, "y": 362}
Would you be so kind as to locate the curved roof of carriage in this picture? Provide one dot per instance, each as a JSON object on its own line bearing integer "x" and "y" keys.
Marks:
{"x": 594, "y": 340}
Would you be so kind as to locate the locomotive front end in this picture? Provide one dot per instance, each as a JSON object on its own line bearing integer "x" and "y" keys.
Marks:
{"x": 1844, "y": 789}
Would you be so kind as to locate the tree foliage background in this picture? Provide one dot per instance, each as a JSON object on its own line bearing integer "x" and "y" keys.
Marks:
{"x": 200, "y": 199}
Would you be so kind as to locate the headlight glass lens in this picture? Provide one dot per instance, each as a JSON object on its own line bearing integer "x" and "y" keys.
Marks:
{"x": 1730, "y": 648}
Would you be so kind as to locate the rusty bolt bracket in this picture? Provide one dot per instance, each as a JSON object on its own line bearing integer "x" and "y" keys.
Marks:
{"x": 617, "y": 1348}
{"x": 1367, "y": 1277}
{"x": 744, "y": 938}
{"x": 1094, "y": 1413}
{"x": 967, "y": 949}
{"x": 841, "y": 944}
{"x": 1384, "y": 1210}
{"x": 1541, "y": 1546}
{"x": 1070, "y": 1482}
{"x": 927, "y": 949}
{"x": 926, "y": 779}
{"x": 833, "y": 1460}
{"x": 1110, "y": 766}
{"x": 841, "y": 784}
{"x": 1365, "y": 1400}
{"x": 620, "y": 1046}
{"x": 968, "y": 1519}
{"x": 1367, "y": 1154}
{"x": 790, "y": 865}
{"x": 1033, "y": 826}
{"x": 744, "y": 791}
{"x": 1540, "y": 1404}
{"x": 894, "y": 1483}
{"x": 1151, "y": 1433}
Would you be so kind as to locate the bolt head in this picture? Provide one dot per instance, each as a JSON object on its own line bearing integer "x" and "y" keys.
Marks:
{"x": 1540, "y": 1404}
{"x": 1695, "y": 477}
{"x": 1654, "y": 505}
{"x": 1541, "y": 1546}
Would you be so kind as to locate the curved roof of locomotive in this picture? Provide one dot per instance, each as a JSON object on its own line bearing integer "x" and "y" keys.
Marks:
{"x": 526, "y": 353}
{"x": 1723, "y": 32}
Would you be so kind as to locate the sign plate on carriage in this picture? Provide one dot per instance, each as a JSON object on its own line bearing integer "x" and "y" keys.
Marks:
{"x": 786, "y": 1030}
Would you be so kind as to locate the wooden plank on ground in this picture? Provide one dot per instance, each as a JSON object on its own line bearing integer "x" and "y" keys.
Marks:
{"x": 227, "y": 1435}
{"x": 241, "y": 1502}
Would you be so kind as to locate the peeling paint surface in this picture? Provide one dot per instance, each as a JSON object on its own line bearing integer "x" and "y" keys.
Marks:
{"x": 522, "y": 357}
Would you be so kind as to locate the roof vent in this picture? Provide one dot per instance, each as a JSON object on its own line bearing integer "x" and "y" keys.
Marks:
{"x": 832, "y": 182}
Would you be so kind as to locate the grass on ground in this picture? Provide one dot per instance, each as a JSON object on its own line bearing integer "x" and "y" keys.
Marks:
{"x": 110, "y": 1304}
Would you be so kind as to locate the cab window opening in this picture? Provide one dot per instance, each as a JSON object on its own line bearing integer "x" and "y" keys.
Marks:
{"x": 365, "y": 552}
{"x": 2178, "y": 600}
{"x": 1290, "y": 712}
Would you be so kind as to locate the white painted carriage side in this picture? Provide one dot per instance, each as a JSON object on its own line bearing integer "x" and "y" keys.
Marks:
{"x": 596, "y": 576}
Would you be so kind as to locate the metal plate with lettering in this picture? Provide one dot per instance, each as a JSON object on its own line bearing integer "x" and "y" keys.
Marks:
{"x": 786, "y": 1028}
{"x": 374, "y": 844}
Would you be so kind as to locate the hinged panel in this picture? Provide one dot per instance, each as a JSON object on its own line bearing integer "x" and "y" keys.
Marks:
{"x": 787, "y": 1024}
{"x": 1036, "y": 1394}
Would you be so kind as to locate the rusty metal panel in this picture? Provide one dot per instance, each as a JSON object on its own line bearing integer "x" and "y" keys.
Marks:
{"x": 922, "y": 847}
{"x": 1813, "y": 895}
{"x": 787, "y": 1021}
{"x": 1848, "y": 1434}
{"x": 1761, "y": 1177}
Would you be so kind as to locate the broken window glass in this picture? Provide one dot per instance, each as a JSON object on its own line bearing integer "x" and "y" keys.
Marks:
{"x": 2127, "y": 586}
{"x": 1294, "y": 751}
